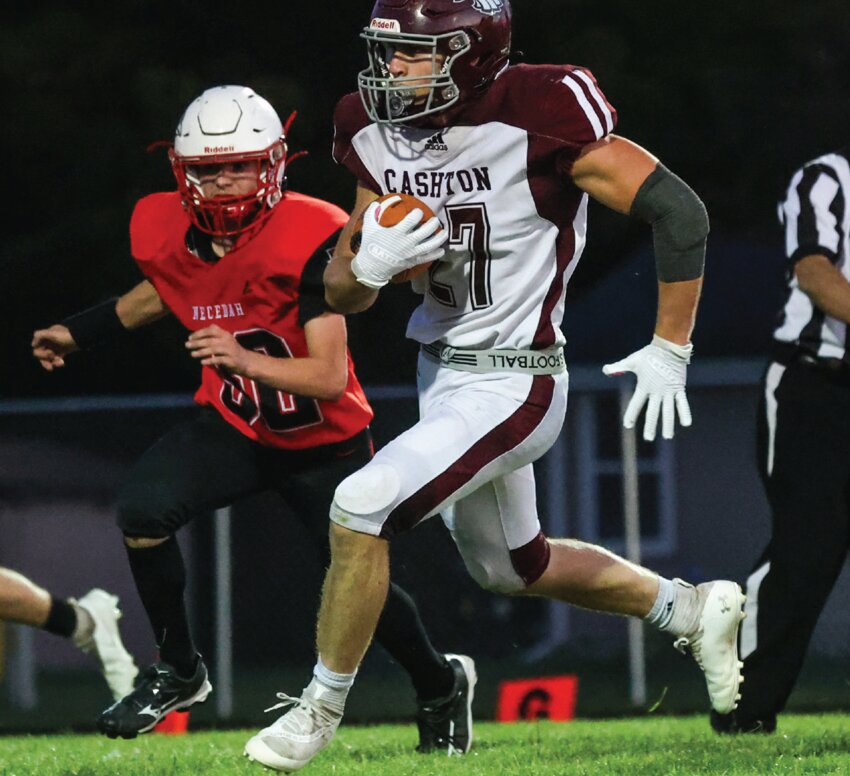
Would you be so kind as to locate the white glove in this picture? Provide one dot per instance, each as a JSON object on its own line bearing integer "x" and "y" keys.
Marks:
{"x": 387, "y": 250}
{"x": 661, "y": 370}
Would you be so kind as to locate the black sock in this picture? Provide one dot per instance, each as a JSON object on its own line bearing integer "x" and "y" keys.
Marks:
{"x": 400, "y": 631}
{"x": 161, "y": 579}
{"x": 62, "y": 619}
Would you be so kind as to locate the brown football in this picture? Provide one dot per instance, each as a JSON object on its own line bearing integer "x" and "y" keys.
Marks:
{"x": 390, "y": 216}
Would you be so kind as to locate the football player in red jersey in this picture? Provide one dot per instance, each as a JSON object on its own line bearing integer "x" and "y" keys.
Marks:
{"x": 506, "y": 157}
{"x": 239, "y": 260}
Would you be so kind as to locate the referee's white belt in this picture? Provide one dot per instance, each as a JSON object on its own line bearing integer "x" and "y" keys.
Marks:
{"x": 530, "y": 362}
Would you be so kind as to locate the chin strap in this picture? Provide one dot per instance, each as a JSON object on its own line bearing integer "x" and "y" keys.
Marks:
{"x": 159, "y": 144}
{"x": 290, "y": 158}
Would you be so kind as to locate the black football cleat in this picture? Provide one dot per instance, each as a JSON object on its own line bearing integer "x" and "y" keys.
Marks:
{"x": 158, "y": 691}
{"x": 731, "y": 724}
{"x": 446, "y": 723}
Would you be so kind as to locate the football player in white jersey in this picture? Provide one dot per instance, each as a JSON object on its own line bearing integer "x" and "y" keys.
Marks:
{"x": 506, "y": 156}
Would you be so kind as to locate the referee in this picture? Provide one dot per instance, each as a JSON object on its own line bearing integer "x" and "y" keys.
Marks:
{"x": 803, "y": 445}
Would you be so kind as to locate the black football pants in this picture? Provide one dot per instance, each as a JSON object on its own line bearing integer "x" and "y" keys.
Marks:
{"x": 204, "y": 464}
{"x": 804, "y": 455}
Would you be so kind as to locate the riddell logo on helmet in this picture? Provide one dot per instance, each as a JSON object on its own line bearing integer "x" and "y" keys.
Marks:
{"x": 391, "y": 25}
{"x": 219, "y": 149}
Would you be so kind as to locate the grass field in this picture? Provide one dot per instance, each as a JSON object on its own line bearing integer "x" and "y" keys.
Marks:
{"x": 673, "y": 746}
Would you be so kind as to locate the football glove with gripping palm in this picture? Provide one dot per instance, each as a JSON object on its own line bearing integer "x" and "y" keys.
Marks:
{"x": 661, "y": 371}
{"x": 387, "y": 250}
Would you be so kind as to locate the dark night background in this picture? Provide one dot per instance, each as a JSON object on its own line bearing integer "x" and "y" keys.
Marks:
{"x": 732, "y": 96}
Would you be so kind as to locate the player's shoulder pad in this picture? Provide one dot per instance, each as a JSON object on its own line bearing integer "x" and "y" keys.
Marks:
{"x": 349, "y": 118}
{"x": 298, "y": 226}
{"x": 562, "y": 102}
{"x": 303, "y": 208}
{"x": 154, "y": 217}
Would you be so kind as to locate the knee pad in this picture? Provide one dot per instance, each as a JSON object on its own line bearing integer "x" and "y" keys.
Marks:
{"x": 495, "y": 577}
{"x": 368, "y": 491}
{"x": 512, "y": 572}
{"x": 139, "y": 516}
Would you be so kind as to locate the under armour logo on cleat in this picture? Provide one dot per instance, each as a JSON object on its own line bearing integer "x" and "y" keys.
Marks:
{"x": 724, "y": 604}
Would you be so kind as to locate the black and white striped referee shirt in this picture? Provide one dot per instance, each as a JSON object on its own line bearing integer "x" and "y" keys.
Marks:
{"x": 816, "y": 219}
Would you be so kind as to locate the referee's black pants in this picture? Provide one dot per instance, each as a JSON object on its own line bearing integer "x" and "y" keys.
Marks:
{"x": 804, "y": 456}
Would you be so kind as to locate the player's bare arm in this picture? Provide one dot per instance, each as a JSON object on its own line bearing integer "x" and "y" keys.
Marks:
{"x": 824, "y": 284}
{"x": 628, "y": 179}
{"x": 612, "y": 171}
{"x": 323, "y": 374}
{"x": 342, "y": 291}
{"x": 138, "y": 307}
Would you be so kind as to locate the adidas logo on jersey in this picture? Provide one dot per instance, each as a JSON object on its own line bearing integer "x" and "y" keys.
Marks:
{"x": 436, "y": 143}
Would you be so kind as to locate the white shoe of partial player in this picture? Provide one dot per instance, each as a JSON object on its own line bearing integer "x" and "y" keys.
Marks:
{"x": 105, "y": 643}
{"x": 299, "y": 735}
{"x": 715, "y": 644}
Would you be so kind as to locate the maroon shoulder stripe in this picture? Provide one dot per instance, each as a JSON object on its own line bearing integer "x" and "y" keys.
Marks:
{"x": 599, "y": 104}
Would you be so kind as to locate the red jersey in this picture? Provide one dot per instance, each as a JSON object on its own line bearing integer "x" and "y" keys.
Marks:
{"x": 263, "y": 291}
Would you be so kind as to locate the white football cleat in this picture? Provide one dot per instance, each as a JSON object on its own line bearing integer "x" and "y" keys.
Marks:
{"x": 105, "y": 643}
{"x": 715, "y": 643}
{"x": 290, "y": 742}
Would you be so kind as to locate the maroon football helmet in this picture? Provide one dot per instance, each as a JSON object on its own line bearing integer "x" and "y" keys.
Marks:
{"x": 469, "y": 43}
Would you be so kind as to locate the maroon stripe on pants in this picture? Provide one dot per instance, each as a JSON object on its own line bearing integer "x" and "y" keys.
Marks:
{"x": 499, "y": 440}
{"x": 531, "y": 560}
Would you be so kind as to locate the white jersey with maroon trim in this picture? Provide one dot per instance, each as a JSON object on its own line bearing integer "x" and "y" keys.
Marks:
{"x": 499, "y": 181}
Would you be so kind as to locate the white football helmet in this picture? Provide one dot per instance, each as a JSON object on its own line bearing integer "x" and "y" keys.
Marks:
{"x": 229, "y": 125}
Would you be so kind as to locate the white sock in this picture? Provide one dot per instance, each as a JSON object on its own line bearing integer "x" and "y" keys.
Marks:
{"x": 82, "y": 635}
{"x": 332, "y": 679}
{"x": 662, "y": 609}
{"x": 676, "y": 608}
